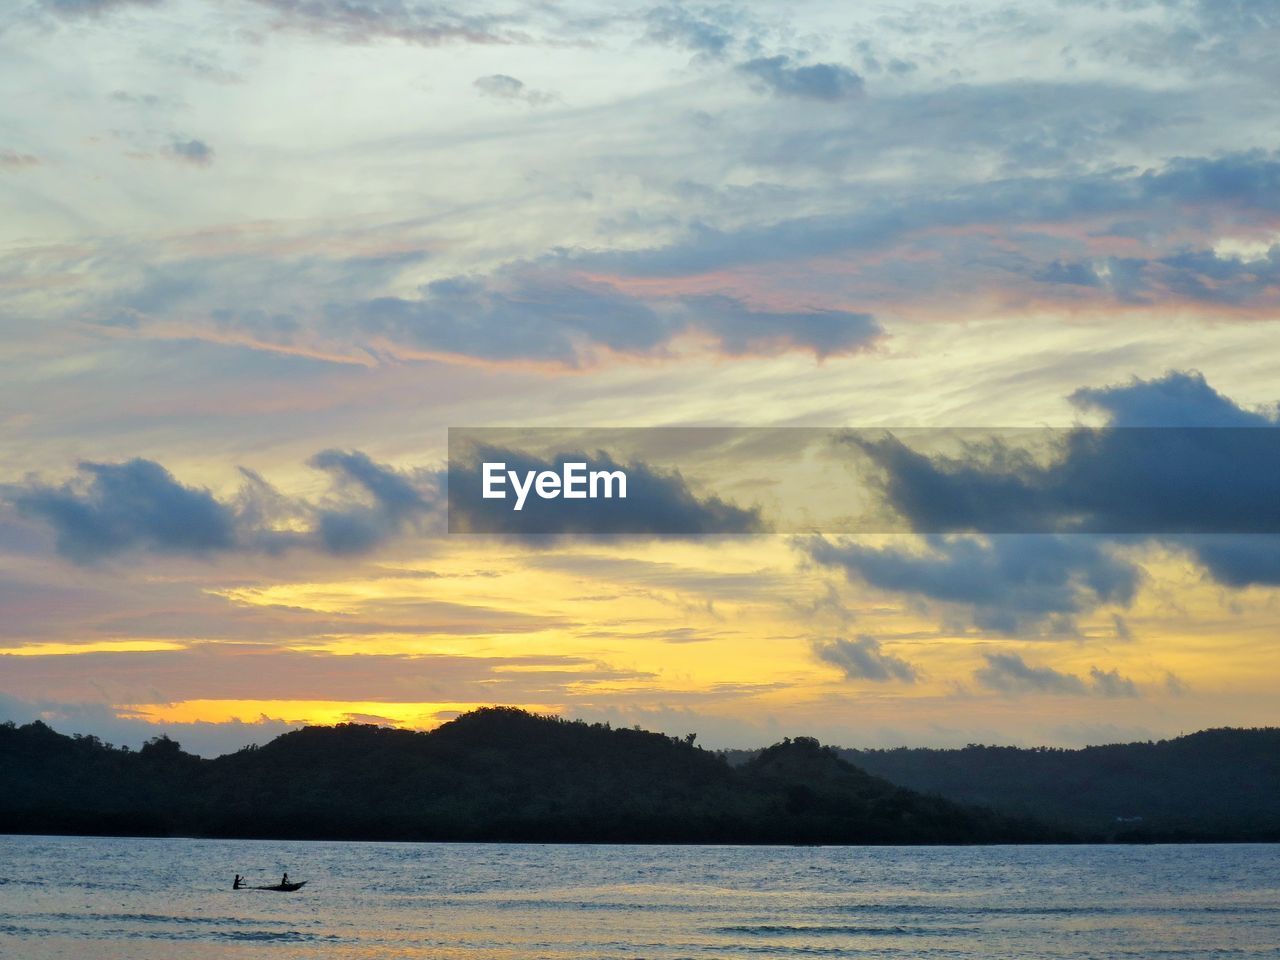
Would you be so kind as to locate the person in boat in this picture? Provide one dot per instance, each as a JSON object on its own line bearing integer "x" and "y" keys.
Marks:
{"x": 238, "y": 883}
{"x": 284, "y": 881}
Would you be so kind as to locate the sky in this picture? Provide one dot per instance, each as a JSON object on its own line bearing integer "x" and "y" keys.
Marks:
{"x": 258, "y": 256}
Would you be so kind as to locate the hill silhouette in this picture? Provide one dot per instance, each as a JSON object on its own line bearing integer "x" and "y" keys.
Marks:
{"x": 1221, "y": 784}
{"x": 493, "y": 774}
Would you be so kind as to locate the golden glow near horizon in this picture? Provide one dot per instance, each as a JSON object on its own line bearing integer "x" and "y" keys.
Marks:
{"x": 101, "y": 646}
{"x": 412, "y": 716}
{"x": 669, "y": 633}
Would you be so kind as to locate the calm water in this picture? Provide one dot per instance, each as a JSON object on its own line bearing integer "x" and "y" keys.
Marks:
{"x": 171, "y": 899}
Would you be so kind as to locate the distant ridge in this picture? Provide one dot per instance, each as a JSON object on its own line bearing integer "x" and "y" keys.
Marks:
{"x": 1215, "y": 785}
{"x": 1220, "y": 784}
{"x": 493, "y": 774}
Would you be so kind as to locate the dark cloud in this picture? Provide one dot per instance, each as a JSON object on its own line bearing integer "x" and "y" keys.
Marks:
{"x": 118, "y": 508}
{"x": 138, "y": 506}
{"x": 1009, "y": 673}
{"x": 1221, "y": 474}
{"x": 112, "y": 508}
{"x": 1177, "y": 399}
{"x": 500, "y": 86}
{"x": 1211, "y": 488}
{"x": 657, "y": 503}
{"x": 1238, "y": 561}
{"x": 1011, "y": 584}
{"x": 862, "y": 659}
{"x": 544, "y": 317}
{"x": 195, "y": 152}
{"x": 819, "y": 81}
{"x": 394, "y": 502}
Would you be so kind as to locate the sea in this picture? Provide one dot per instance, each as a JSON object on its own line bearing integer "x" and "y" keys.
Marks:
{"x": 171, "y": 899}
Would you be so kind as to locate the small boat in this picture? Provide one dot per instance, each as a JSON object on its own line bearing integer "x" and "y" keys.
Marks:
{"x": 283, "y": 887}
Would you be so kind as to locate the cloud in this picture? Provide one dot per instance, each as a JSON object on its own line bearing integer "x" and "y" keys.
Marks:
{"x": 363, "y": 21}
{"x": 1176, "y": 457}
{"x": 1008, "y": 673}
{"x": 143, "y": 99}
{"x": 1178, "y": 462}
{"x": 818, "y": 81}
{"x": 1183, "y": 193}
{"x": 1202, "y": 37}
{"x": 1109, "y": 683}
{"x": 351, "y": 527}
{"x": 524, "y": 313}
{"x": 13, "y": 160}
{"x": 116, "y": 507}
{"x": 245, "y": 293}
{"x": 657, "y": 503}
{"x": 528, "y": 319}
{"x": 1009, "y": 584}
{"x": 1122, "y": 629}
{"x": 80, "y": 8}
{"x": 499, "y": 86}
{"x": 1198, "y": 276}
{"x": 565, "y": 321}
{"x": 1237, "y": 561}
{"x": 1177, "y": 399}
{"x": 708, "y": 35}
{"x": 739, "y": 330}
{"x": 982, "y": 131}
{"x": 922, "y": 250}
{"x": 862, "y": 659}
{"x": 532, "y": 312}
{"x": 195, "y": 152}
{"x": 111, "y": 509}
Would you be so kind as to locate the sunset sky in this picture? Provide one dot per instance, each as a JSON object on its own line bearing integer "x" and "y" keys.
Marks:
{"x": 259, "y": 255}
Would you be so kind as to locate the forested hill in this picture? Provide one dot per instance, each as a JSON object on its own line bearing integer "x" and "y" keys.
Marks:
{"x": 1214, "y": 785}
{"x": 494, "y": 774}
